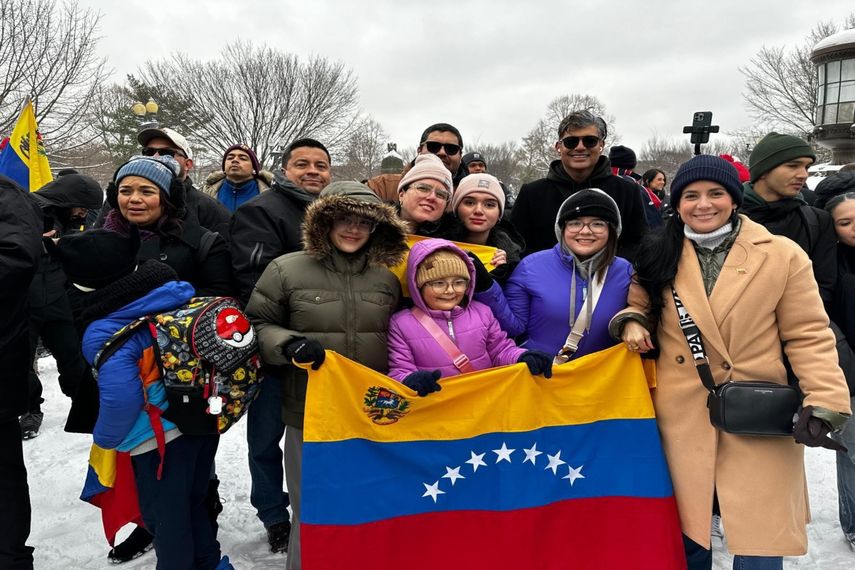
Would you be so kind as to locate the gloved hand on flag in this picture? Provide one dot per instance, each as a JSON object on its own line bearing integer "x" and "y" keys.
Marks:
{"x": 538, "y": 362}
{"x": 483, "y": 279}
{"x": 306, "y": 350}
{"x": 423, "y": 381}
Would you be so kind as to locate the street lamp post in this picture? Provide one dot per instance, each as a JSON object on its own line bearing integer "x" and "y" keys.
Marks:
{"x": 146, "y": 114}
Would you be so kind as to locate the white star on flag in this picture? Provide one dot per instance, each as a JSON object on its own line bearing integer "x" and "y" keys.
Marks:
{"x": 574, "y": 474}
{"x": 554, "y": 462}
{"x": 504, "y": 454}
{"x": 476, "y": 461}
{"x": 453, "y": 474}
{"x": 433, "y": 491}
{"x": 531, "y": 453}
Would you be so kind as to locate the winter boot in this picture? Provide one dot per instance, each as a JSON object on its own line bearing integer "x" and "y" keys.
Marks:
{"x": 137, "y": 544}
{"x": 31, "y": 422}
{"x": 277, "y": 536}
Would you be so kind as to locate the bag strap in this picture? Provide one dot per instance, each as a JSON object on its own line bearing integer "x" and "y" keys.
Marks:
{"x": 696, "y": 343}
{"x": 460, "y": 360}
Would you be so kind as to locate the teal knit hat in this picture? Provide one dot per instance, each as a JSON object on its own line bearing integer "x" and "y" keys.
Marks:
{"x": 775, "y": 149}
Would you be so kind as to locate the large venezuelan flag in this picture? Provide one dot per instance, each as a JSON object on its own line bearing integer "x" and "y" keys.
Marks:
{"x": 498, "y": 470}
{"x": 23, "y": 159}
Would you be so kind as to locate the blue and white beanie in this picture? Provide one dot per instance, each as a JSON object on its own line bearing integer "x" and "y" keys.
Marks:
{"x": 158, "y": 169}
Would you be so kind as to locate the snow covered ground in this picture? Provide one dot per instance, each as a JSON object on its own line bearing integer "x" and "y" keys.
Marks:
{"x": 67, "y": 533}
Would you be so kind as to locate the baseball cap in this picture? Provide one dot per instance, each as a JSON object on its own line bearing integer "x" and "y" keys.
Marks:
{"x": 177, "y": 140}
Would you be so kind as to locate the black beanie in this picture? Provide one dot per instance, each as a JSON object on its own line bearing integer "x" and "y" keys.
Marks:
{"x": 706, "y": 167}
{"x": 588, "y": 202}
{"x": 95, "y": 258}
{"x": 774, "y": 150}
{"x": 622, "y": 157}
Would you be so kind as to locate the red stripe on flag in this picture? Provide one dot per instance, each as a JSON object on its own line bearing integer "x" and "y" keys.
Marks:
{"x": 612, "y": 532}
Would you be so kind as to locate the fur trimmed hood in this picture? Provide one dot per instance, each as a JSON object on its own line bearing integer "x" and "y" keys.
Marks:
{"x": 387, "y": 244}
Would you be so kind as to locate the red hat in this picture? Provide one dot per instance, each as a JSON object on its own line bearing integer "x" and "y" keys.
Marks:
{"x": 741, "y": 169}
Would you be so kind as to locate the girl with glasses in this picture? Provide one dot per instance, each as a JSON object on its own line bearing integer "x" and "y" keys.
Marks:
{"x": 441, "y": 281}
{"x": 562, "y": 299}
{"x": 424, "y": 195}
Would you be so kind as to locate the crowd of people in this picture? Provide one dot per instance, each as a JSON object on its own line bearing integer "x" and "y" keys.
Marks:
{"x": 591, "y": 256}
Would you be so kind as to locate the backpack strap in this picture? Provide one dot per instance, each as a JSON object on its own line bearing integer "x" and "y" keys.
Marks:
{"x": 115, "y": 342}
{"x": 460, "y": 360}
{"x": 206, "y": 242}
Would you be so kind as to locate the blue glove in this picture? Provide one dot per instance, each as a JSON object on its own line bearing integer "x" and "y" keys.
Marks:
{"x": 423, "y": 381}
{"x": 538, "y": 362}
{"x": 306, "y": 350}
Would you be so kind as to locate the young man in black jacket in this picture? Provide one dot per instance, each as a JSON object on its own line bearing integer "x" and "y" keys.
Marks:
{"x": 263, "y": 229}
{"x": 581, "y": 165}
{"x": 778, "y": 166}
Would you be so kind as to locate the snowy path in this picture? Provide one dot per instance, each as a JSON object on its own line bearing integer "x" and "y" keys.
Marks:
{"x": 67, "y": 533}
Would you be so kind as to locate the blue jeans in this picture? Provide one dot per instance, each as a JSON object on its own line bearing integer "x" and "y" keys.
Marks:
{"x": 846, "y": 477}
{"x": 264, "y": 431}
{"x": 699, "y": 558}
{"x": 174, "y": 508}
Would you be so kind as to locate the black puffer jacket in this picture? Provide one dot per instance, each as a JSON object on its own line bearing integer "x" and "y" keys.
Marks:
{"x": 265, "y": 228}
{"x": 21, "y": 229}
{"x": 503, "y": 236}
{"x": 537, "y": 205}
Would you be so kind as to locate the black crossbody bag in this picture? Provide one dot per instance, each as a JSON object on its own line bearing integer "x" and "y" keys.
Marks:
{"x": 753, "y": 407}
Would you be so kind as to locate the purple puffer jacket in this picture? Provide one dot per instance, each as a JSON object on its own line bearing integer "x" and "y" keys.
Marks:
{"x": 476, "y": 331}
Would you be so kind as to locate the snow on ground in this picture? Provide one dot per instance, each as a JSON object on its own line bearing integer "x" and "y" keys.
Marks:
{"x": 67, "y": 533}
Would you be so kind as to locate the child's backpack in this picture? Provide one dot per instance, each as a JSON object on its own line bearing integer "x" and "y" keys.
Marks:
{"x": 209, "y": 362}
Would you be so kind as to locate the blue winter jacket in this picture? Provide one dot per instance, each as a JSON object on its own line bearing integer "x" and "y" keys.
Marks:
{"x": 536, "y": 302}
{"x": 123, "y": 423}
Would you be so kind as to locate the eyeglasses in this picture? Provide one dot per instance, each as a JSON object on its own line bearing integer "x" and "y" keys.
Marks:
{"x": 589, "y": 141}
{"x": 433, "y": 147}
{"x": 440, "y": 286}
{"x": 597, "y": 226}
{"x": 151, "y": 151}
{"x": 426, "y": 190}
{"x": 361, "y": 224}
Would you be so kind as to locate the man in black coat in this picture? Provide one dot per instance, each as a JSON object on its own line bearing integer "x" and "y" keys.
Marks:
{"x": 21, "y": 229}
{"x": 778, "y": 166}
{"x": 262, "y": 229}
{"x": 581, "y": 165}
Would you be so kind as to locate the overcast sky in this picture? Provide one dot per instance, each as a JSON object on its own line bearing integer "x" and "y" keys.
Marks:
{"x": 491, "y": 67}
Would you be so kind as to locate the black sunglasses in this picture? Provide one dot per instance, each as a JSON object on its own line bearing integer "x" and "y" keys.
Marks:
{"x": 589, "y": 141}
{"x": 151, "y": 151}
{"x": 450, "y": 148}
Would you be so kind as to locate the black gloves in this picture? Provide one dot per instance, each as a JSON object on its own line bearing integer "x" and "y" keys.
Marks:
{"x": 306, "y": 350}
{"x": 813, "y": 432}
{"x": 483, "y": 279}
{"x": 423, "y": 381}
{"x": 538, "y": 362}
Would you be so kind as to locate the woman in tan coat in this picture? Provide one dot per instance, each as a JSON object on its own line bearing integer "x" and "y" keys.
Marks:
{"x": 750, "y": 293}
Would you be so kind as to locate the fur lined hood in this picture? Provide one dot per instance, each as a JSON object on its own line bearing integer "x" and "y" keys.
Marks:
{"x": 387, "y": 244}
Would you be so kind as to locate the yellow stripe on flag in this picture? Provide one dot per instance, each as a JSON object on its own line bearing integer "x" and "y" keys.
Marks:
{"x": 347, "y": 400}
{"x": 483, "y": 252}
{"x": 103, "y": 462}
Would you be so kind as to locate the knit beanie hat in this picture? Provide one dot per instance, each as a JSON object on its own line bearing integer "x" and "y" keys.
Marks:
{"x": 588, "y": 202}
{"x": 741, "y": 169}
{"x": 352, "y": 189}
{"x": 775, "y": 149}
{"x": 622, "y": 157}
{"x": 473, "y": 157}
{"x": 481, "y": 182}
{"x": 706, "y": 167}
{"x": 96, "y": 258}
{"x": 428, "y": 166}
{"x": 160, "y": 170}
{"x": 439, "y": 265}
{"x": 242, "y": 147}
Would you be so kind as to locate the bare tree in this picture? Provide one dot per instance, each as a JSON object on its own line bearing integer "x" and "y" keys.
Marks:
{"x": 503, "y": 161}
{"x": 48, "y": 53}
{"x": 259, "y": 96}
{"x": 363, "y": 151}
{"x": 537, "y": 150}
{"x": 781, "y": 83}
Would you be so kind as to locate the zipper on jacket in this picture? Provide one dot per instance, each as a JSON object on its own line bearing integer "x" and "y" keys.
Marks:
{"x": 451, "y": 331}
{"x": 350, "y": 319}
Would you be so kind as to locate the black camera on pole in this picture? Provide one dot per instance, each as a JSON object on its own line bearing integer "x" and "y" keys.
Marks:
{"x": 700, "y": 129}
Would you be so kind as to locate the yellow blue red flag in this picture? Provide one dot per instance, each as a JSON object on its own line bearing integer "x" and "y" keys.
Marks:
{"x": 499, "y": 469}
{"x": 483, "y": 252}
{"x": 23, "y": 159}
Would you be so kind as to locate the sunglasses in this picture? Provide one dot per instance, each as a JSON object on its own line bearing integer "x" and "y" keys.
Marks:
{"x": 151, "y": 151}
{"x": 589, "y": 141}
{"x": 433, "y": 147}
